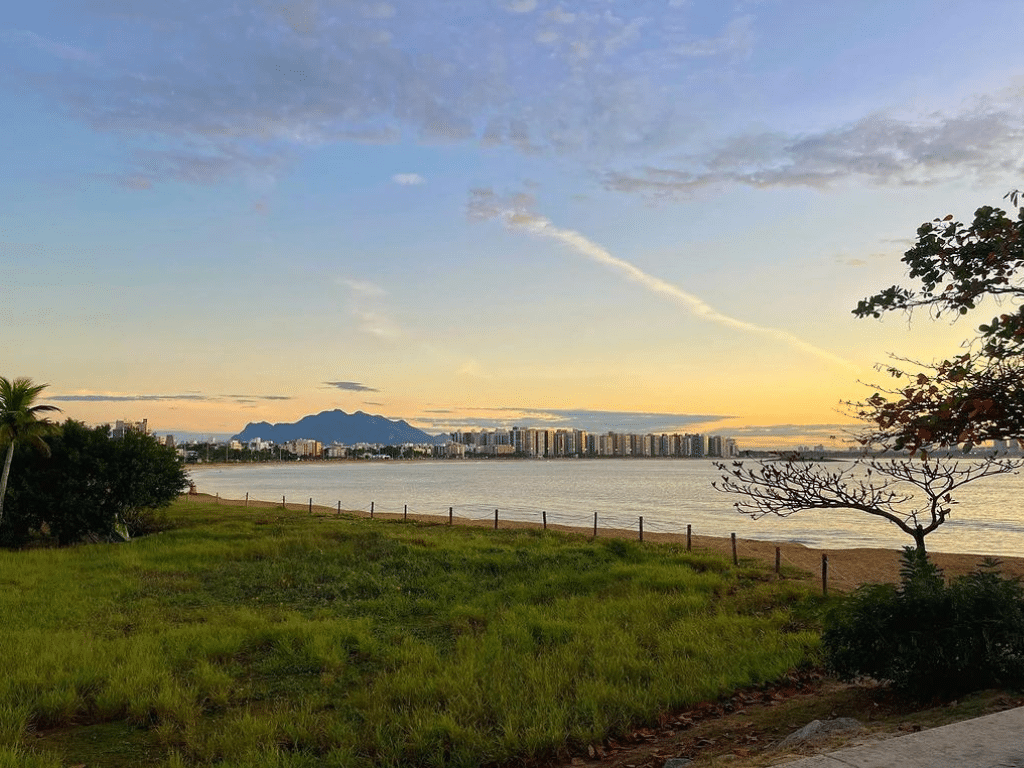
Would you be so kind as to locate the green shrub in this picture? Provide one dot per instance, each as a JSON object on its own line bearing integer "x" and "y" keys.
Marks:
{"x": 927, "y": 638}
{"x": 91, "y": 486}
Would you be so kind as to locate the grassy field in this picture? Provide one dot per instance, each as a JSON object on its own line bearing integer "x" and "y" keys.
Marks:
{"x": 250, "y": 638}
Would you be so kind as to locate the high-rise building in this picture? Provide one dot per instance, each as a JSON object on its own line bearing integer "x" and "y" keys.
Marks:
{"x": 120, "y": 427}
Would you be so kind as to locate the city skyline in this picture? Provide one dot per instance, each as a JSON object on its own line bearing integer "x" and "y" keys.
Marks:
{"x": 642, "y": 216}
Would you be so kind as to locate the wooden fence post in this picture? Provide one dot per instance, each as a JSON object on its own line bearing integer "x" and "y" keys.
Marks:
{"x": 689, "y": 538}
{"x": 641, "y": 527}
{"x": 595, "y": 525}
{"x": 495, "y": 519}
{"x": 824, "y": 574}
{"x": 778, "y": 560}
{"x": 544, "y": 518}
{"x": 311, "y": 505}
{"x": 450, "y": 512}
{"x": 339, "y": 506}
{"x": 371, "y": 510}
{"x": 735, "y": 560}
{"x": 405, "y": 512}
{"x": 247, "y": 498}
{"x": 283, "y": 504}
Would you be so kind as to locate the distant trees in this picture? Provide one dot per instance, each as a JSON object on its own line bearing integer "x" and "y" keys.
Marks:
{"x": 91, "y": 485}
{"x": 20, "y": 422}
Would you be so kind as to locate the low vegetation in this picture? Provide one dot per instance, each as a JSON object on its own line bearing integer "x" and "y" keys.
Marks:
{"x": 246, "y": 638}
{"x": 929, "y": 638}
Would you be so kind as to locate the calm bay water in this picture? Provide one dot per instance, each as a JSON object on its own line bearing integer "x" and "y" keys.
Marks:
{"x": 669, "y": 494}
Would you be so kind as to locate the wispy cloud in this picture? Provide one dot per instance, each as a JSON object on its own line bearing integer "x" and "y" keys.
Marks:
{"x": 363, "y": 288}
{"x": 521, "y": 6}
{"x": 983, "y": 139}
{"x": 474, "y": 370}
{"x": 54, "y": 48}
{"x": 186, "y": 397}
{"x": 205, "y": 91}
{"x": 825, "y": 432}
{"x": 504, "y": 417}
{"x": 737, "y": 37}
{"x": 514, "y": 212}
{"x": 408, "y": 179}
{"x": 351, "y": 386}
{"x": 368, "y": 308}
{"x": 124, "y": 398}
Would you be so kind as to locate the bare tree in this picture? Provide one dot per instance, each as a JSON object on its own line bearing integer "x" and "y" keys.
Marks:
{"x": 915, "y": 496}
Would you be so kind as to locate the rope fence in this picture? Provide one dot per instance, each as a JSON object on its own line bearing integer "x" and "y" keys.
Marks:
{"x": 641, "y": 527}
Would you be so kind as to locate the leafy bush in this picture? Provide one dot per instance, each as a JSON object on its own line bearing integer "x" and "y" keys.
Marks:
{"x": 927, "y": 638}
{"x": 90, "y": 485}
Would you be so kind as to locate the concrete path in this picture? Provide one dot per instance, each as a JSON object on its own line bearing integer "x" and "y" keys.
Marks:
{"x": 992, "y": 741}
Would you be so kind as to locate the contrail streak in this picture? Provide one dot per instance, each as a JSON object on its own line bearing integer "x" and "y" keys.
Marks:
{"x": 542, "y": 227}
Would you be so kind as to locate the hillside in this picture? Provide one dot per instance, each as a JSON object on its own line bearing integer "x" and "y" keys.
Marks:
{"x": 339, "y": 427}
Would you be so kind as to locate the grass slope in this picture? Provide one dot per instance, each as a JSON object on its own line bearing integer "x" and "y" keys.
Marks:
{"x": 256, "y": 638}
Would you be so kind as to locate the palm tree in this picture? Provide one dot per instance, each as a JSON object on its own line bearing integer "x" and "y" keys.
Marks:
{"x": 19, "y": 422}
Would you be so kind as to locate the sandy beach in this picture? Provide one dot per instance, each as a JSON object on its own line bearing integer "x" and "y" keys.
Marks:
{"x": 847, "y": 568}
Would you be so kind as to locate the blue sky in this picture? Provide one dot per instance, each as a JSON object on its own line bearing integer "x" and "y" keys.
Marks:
{"x": 615, "y": 215}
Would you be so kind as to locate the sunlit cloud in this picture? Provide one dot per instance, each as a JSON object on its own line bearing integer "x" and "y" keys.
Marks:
{"x": 408, "y": 179}
{"x": 514, "y": 212}
{"x": 474, "y": 370}
{"x": 184, "y": 397}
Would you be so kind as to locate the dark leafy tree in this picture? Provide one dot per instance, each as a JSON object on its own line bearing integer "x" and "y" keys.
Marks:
{"x": 20, "y": 422}
{"x": 91, "y": 485}
{"x": 915, "y": 496}
{"x": 144, "y": 476}
{"x": 979, "y": 394}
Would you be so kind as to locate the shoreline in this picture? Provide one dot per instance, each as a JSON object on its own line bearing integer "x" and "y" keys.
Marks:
{"x": 847, "y": 568}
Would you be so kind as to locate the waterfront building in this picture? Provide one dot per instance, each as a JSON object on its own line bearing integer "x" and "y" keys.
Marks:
{"x": 561, "y": 443}
{"x": 305, "y": 448}
{"x": 120, "y": 427}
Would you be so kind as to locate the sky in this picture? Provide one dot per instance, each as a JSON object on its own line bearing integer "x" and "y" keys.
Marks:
{"x": 628, "y": 215}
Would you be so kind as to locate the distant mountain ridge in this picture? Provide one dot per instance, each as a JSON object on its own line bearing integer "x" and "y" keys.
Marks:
{"x": 339, "y": 427}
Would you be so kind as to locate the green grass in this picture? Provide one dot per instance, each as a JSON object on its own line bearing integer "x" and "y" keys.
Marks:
{"x": 256, "y": 638}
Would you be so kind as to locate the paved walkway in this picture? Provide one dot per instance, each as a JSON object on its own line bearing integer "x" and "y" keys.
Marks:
{"x": 992, "y": 741}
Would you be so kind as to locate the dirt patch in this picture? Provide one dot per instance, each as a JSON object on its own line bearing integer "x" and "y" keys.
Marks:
{"x": 744, "y": 730}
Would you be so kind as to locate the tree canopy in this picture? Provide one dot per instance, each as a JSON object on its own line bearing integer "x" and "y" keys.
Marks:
{"x": 977, "y": 395}
{"x": 91, "y": 485}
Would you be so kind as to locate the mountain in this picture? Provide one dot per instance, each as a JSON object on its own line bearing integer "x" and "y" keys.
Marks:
{"x": 339, "y": 427}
